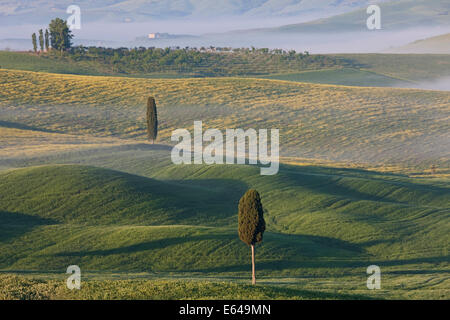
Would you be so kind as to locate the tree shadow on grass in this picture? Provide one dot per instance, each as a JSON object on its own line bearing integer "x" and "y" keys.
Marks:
{"x": 349, "y": 265}
{"x": 14, "y": 224}
{"x": 17, "y": 125}
{"x": 416, "y": 271}
{"x": 149, "y": 245}
{"x": 292, "y": 247}
{"x": 201, "y": 202}
{"x": 327, "y": 180}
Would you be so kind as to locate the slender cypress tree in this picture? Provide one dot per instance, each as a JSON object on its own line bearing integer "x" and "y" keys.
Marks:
{"x": 41, "y": 40}
{"x": 152, "y": 119}
{"x": 251, "y": 224}
{"x": 33, "y": 39}
{"x": 47, "y": 41}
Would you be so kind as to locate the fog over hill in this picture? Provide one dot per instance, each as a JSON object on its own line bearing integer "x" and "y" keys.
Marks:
{"x": 437, "y": 45}
{"x": 132, "y": 18}
{"x": 23, "y": 11}
{"x": 322, "y": 26}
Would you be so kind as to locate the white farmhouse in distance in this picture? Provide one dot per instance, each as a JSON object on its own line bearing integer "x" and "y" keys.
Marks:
{"x": 158, "y": 35}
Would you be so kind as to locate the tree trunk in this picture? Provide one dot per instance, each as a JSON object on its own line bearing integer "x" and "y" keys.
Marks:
{"x": 253, "y": 265}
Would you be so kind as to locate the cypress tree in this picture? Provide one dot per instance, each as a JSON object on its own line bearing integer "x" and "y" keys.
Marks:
{"x": 251, "y": 224}
{"x": 152, "y": 119}
{"x": 33, "y": 39}
{"x": 41, "y": 40}
{"x": 47, "y": 40}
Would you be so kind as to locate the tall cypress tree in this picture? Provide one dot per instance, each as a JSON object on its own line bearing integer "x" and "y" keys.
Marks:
{"x": 47, "y": 41}
{"x": 33, "y": 39}
{"x": 41, "y": 40}
{"x": 152, "y": 119}
{"x": 251, "y": 224}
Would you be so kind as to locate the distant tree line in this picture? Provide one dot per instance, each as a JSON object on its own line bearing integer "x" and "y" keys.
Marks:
{"x": 211, "y": 61}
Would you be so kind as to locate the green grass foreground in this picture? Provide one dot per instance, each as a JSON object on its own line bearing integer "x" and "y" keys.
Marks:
{"x": 120, "y": 286}
{"x": 26, "y": 288}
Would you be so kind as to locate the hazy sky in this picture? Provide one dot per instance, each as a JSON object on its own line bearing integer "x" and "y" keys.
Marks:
{"x": 129, "y": 31}
{"x": 203, "y": 16}
{"x": 124, "y": 34}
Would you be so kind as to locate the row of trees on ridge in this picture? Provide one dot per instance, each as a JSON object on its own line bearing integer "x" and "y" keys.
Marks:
{"x": 58, "y": 36}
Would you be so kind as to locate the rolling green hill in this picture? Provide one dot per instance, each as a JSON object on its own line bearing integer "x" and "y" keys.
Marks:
{"x": 322, "y": 222}
{"x": 89, "y": 193}
{"x": 319, "y": 212}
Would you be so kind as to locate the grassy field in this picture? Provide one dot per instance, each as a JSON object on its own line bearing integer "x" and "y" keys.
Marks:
{"x": 167, "y": 62}
{"x": 32, "y": 62}
{"x": 336, "y": 123}
{"x": 411, "y": 67}
{"x": 148, "y": 286}
{"x": 33, "y": 142}
{"x": 343, "y": 76}
{"x": 375, "y": 70}
{"x": 158, "y": 288}
{"x": 79, "y": 185}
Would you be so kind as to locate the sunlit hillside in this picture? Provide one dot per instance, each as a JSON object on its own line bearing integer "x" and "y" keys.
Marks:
{"x": 338, "y": 123}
